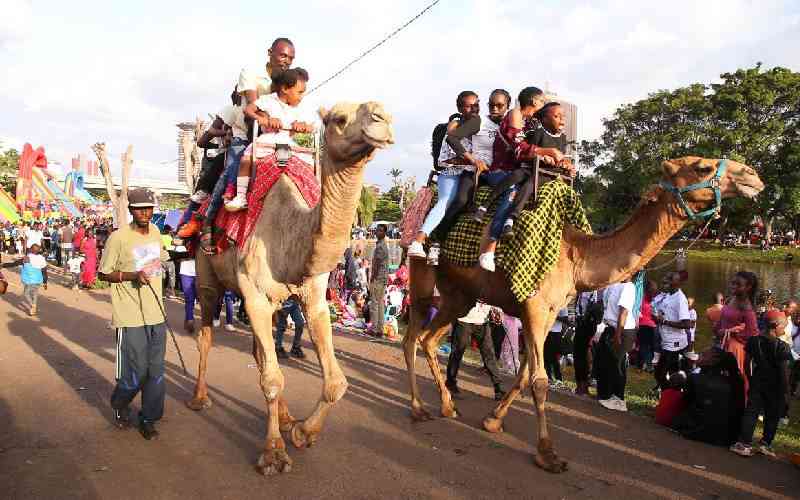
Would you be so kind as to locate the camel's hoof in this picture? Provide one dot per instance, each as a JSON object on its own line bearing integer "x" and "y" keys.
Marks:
{"x": 550, "y": 462}
{"x": 449, "y": 411}
{"x": 493, "y": 424}
{"x": 300, "y": 438}
{"x": 199, "y": 404}
{"x": 272, "y": 462}
{"x": 287, "y": 424}
{"x": 420, "y": 415}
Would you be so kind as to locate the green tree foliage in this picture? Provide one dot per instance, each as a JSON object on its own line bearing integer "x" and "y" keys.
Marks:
{"x": 367, "y": 203}
{"x": 750, "y": 116}
{"x": 9, "y": 164}
{"x": 387, "y": 209}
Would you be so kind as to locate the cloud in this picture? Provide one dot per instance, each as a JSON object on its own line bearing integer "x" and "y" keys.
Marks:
{"x": 127, "y": 73}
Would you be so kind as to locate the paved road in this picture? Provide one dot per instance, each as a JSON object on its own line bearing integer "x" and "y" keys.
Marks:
{"x": 56, "y": 439}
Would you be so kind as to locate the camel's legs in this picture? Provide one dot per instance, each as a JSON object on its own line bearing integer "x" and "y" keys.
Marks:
{"x": 537, "y": 317}
{"x": 208, "y": 300}
{"x": 305, "y": 433}
{"x": 494, "y": 421}
{"x": 454, "y": 306}
{"x": 416, "y": 315}
{"x": 274, "y": 459}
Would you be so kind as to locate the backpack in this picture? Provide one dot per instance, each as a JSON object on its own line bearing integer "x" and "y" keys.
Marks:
{"x": 437, "y": 138}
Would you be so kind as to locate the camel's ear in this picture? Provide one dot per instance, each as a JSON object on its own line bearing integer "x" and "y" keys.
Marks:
{"x": 323, "y": 114}
{"x": 703, "y": 167}
{"x": 670, "y": 168}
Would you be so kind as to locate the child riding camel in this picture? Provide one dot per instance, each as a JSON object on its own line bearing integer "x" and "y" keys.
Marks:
{"x": 543, "y": 137}
{"x": 287, "y": 118}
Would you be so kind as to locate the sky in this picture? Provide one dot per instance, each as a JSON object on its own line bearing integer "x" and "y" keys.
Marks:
{"x": 75, "y": 73}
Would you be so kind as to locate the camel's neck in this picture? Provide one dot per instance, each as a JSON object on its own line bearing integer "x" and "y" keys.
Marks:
{"x": 616, "y": 256}
{"x": 341, "y": 189}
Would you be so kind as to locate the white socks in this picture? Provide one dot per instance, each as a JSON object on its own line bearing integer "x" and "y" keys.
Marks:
{"x": 241, "y": 186}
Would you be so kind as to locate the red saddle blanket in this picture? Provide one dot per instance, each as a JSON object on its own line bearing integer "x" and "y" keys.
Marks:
{"x": 238, "y": 226}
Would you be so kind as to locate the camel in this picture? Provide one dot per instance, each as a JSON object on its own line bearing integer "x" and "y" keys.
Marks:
{"x": 290, "y": 252}
{"x": 586, "y": 262}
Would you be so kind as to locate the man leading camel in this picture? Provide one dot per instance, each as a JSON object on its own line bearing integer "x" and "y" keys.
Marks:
{"x": 132, "y": 264}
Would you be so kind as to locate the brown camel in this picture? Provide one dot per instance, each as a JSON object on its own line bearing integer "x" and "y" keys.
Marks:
{"x": 586, "y": 262}
{"x": 290, "y": 252}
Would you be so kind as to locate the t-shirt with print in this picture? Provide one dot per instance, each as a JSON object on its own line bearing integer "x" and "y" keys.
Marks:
{"x": 75, "y": 264}
{"x": 129, "y": 251}
{"x": 674, "y": 307}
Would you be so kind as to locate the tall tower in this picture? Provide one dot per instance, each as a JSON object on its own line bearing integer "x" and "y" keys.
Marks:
{"x": 185, "y": 133}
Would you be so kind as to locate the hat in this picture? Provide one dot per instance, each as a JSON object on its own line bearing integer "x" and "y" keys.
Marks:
{"x": 776, "y": 316}
{"x": 141, "y": 198}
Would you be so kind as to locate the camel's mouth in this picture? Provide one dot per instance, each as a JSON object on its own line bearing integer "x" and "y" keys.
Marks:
{"x": 377, "y": 142}
{"x": 748, "y": 190}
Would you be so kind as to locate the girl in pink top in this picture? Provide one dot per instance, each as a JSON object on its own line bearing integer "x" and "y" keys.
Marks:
{"x": 737, "y": 321}
{"x": 646, "y": 335}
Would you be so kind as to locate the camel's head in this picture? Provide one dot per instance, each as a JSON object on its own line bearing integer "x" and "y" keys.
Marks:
{"x": 737, "y": 179}
{"x": 354, "y": 131}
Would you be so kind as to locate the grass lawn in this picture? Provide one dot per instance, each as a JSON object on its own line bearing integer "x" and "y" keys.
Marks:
{"x": 713, "y": 251}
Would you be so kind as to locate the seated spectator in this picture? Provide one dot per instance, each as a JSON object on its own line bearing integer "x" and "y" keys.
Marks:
{"x": 714, "y": 401}
{"x": 671, "y": 404}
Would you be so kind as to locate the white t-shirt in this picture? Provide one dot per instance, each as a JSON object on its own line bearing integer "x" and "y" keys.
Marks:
{"x": 34, "y": 237}
{"x": 187, "y": 268}
{"x": 558, "y": 326}
{"x": 674, "y": 307}
{"x": 276, "y": 108}
{"x": 233, "y": 116}
{"x": 37, "y": 260}
{"x": 616, "y": 296}
{"x": 75, "y": 264}
{"x": 254, "y": 79}
{"x": 483, "y": 142}
{"x": 477, "y": 315}
{"x": 692, "y": 330}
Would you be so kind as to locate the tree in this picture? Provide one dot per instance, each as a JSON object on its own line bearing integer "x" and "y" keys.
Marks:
{"x": 752, "y": 116}
{"x": 9, "y": 165}
{"x": 367, "y": 203}
{"x": 120, "y": 201}
{"x": 387, "y": 209}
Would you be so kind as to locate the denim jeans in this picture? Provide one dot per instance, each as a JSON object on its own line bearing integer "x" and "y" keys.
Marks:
{"x": 493, "y": 178}
{"x": 228, "y": 298}
{"x": 447, "y": 188}
{"x": 190, "y": 295}
{"x": 289, "y": 308}
{"x": 229, "y": 175}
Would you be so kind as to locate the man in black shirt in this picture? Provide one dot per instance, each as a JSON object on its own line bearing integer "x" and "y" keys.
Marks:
{"x": 768, "y": 362}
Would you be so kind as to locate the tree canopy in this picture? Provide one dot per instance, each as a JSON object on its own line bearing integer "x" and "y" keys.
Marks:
{"x": 751, "y": 116}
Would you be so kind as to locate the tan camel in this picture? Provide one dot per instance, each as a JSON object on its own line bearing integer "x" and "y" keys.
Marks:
{"x": 290, "y": 252}
{"x": 586, "y": 262}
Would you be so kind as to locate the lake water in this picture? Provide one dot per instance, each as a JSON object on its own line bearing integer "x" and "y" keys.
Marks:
{"x": 706, "y": 277}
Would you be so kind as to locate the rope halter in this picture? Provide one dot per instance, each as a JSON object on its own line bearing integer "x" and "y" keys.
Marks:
{"x": 712, "y": 183}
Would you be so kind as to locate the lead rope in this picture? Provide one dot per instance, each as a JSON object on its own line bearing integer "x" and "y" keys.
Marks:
{"x": 681, "y": 251}
{"x": 169, "y": 329}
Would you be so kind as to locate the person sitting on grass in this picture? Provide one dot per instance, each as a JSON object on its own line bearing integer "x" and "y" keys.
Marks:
{"x": 768, "y": 372}
{"x": 283, "y": 107}
{"x": 549, "y": 143}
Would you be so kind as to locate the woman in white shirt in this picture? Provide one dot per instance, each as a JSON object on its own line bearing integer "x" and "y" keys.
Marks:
{"x": 285, "y": 112}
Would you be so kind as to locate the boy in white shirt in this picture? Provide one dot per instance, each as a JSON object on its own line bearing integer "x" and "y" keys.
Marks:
{"x": 616, "y": 341}
{"x": 673, "y": 319}
{"x": 75, "y": 263}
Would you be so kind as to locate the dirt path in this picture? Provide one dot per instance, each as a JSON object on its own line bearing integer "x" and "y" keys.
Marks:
{"x": 56, "y": 440}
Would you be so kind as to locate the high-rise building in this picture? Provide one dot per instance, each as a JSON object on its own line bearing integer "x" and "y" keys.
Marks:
{"x": 185, "y": 132}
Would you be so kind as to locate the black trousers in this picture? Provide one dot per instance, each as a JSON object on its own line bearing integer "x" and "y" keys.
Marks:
{"x": 584, "y": 331}
{"x": 646, "y": 337}
{"x": 140, "y": 367}
{"x": 210, "y": 170}
{"x": 552, "y": 350}
{"x": 668, "y": 363}
{"x": 462, "y": 334}
{"x": 612, "y": 369}
{"x": 762, "y": 399}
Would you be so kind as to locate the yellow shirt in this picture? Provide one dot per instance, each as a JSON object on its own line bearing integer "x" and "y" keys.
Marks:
{"x": 128, "y": 251}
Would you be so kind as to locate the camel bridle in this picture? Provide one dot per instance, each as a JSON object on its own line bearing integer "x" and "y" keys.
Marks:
{"x": 713, "y": 183}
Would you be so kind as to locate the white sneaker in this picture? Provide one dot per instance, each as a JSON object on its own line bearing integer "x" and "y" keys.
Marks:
{"x": 216, "y": 323}
{"x": 783, "y": 422}
{"x": 237, "y": 203}
{"x": 199, "y": 197}
{"x": 607, "y": 403}
{"x": 416, "y": 250}
{"x": 656, "y": 357}
{"x": 621, "y": 405}
{"x": 229, "y": 327}
{"x": 433, "y": 255}
{"x": 486, "y": 261}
